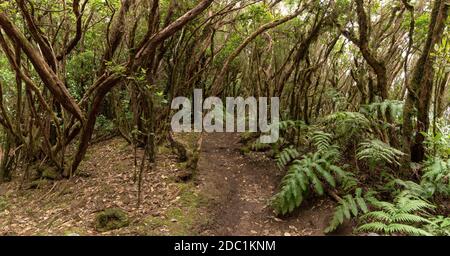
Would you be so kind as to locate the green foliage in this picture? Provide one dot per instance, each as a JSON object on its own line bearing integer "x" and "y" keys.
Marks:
{"x": 286, "y": 156}
{"x": 322, "y": 140}
{"x": 103, "y": 124}
{"x": 79, "y": 72}
{"x": 438, "y": 144}
{"x": 115, "y": 68}
{"x": 292, "y": 124}
{"x": 411, "y": 188}
{"x": 350, "y": 206}
{"x": 3, "y": 203}
{"x": 405, "y": 216}
{"x": 258, "y": 146}
{"x": 421, "y": 27}
{"x": 230, "y": 45}
{"x": 439, "y": 226}
{"x": 256, "y": 14}
{"x": 336, "y": 97}
{"x": 392, "y": 107}
{"x": 314, "y": 170}
{"x": 109, "y": 219}
{"x": 347, "y": 125}
{"x": 377, "y": 151}
{"x": 436, "y": 176}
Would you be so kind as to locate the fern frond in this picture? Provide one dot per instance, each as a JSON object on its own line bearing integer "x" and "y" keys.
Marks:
{"x": 378, "y": 151}
{"x": 347, "y": 124}
{"x": 378, "y": 216}
{"x": 376, "y": 226}
{"x": 407, "y": 205}
{"x": 436, "y": 176}
{"x": 439, "y": 225}
{"x": 393, "y": 107}
{"x": 322, "y": 140}
{"x": 286, "y": 156}
{"x": 405, "y": 229}
{"x": 325, "y": 174}
{"x": 291, "y": 124}
{"x": 408, "y": 217}
{"x": 404, "y": 216}
{"x": 312, "y": 172}
{"x": 349, "y": 206}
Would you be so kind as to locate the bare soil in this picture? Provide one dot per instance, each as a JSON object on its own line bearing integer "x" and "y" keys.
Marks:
{"x": 240, "y": 188}
{"x": 228, "y": 196}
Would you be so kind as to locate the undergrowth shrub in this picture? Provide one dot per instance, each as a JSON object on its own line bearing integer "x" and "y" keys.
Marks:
{"x": 406, "y": 215}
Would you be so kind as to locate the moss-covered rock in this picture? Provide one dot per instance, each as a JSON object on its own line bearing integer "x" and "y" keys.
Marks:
{"x": 110, "y": 219}
{"x": 50, "y": 173}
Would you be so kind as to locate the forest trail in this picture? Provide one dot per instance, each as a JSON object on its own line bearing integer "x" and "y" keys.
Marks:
{"x": 240, "y": 187}
{"x": 228, "y": 196}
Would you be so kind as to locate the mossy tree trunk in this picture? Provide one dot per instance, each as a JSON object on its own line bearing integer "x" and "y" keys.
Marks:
{"x": 421, "y": 87}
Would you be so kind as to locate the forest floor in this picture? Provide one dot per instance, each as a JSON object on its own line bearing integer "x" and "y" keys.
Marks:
{"x": 229, "y": 195}
{"x": 240, "y": 187}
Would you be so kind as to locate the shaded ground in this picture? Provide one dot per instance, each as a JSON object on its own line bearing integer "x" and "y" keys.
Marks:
{"x": 106, "y": 180}
{"x": 229, "y": 196}
{"x": 240, "y": 187}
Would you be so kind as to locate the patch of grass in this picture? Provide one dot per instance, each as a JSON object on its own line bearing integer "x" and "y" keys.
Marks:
{"x": 245, "y": 150}
{"x": 189, "y": 197}
{"x": 164, "y": 150}
{"x": 181, "y": 165}
{"x": 3, "y": 203}
{"x": 181, "y": 218}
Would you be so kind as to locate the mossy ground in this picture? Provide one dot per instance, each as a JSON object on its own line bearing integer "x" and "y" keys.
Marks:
{"x": 3, "y": 203}
{"x": 183, "y": 217}
{"x": 69, "y": 207}
{"x": 110, "y": 219}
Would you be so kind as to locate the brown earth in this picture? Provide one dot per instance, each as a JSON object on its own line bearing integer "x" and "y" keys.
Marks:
{"x": 105, "y": 180}
{"x": 229, "y": 196}
{"x": 240, "y": 188}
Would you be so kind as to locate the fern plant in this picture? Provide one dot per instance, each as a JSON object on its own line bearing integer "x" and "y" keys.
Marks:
{"x": 376, "y": 151}
{"x": 405, "y": 216}
{"x": 258, "y": 146}
{"x": 439, "y": 226}
{"x": 286, "y": 156}
{"x": 437, "y": 176}
{"x": 351, "y": 206}
{"x": 291, "y": 124}
{"x": 392, "y": 107}
{"x": 314, "y": 170}
{"x": 322, "y": 140}
{"x": 411, "y": 188}
{"x": 347, "y": 125}
{"x": 438, "y": 141}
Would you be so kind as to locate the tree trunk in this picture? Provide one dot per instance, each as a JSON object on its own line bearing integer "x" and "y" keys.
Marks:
{"x": 421, "y": 87}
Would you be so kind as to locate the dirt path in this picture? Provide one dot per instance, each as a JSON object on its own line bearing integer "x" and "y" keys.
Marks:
{"x": 240, "y": 186}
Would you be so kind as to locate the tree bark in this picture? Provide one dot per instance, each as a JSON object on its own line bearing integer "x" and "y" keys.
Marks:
{"x": 421, "y": 87}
